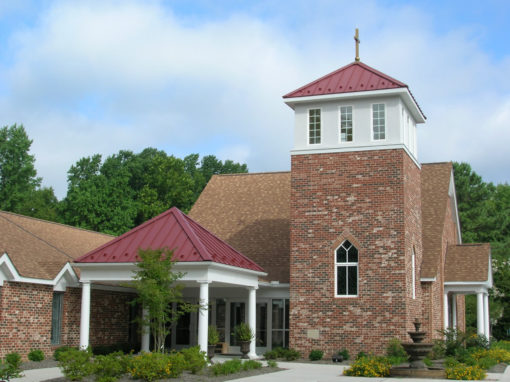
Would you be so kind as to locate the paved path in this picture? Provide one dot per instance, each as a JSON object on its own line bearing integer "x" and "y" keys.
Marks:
{"x": 297, "y": 372}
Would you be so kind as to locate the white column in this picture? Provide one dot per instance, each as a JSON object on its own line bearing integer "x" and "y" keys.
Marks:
{"x": 85, "y": 315}
{"x": 203, "y": 317}
{"x": 146, "y": 332}
{"x": 252, "y": 318}
{"x": 445, "y": 308}
{"x": 486, "y": 315}
{"x": 454, "y": 311}
{"x": 479, "y": 313}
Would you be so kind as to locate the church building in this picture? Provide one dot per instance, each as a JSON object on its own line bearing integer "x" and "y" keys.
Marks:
{"x": 344, "y": 251}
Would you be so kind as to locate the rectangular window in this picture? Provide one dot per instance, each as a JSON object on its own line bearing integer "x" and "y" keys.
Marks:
{"x": 56, "y": 317}
{"x": 314, "y": 126}
{"x": 346, "y": 123}
{"x": 280, "y": 323}
{"x": 378, "y": 121}
{"x": 346, "y": 262}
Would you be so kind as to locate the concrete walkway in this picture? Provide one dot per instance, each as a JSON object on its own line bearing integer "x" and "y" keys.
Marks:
{"x": 296, "y": 372}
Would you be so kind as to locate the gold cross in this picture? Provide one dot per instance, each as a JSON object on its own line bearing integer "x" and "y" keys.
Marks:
{"x": 356, "y": 38}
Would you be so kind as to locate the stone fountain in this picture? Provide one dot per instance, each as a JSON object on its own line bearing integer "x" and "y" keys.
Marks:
{"x": 417, "y": 351}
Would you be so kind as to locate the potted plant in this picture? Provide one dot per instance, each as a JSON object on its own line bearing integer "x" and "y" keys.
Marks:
{"x": 213, "y": 338}
{"x": 244, "y": 335}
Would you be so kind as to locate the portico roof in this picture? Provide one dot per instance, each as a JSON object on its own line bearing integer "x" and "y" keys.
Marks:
{"x": 173, "y": 230}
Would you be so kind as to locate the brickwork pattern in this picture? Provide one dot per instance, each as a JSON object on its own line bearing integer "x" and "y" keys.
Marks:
{"x": 361, "y": 196}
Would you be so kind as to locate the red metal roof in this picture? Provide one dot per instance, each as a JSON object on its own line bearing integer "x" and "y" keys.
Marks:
{"x": 355, "y": 77}
{"x": 174, "y": 230}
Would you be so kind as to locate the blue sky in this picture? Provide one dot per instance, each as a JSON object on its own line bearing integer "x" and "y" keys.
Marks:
{"x": 88, "y": 77}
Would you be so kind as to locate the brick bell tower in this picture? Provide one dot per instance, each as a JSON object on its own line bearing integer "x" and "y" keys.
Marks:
{"x": 355, "y": 239}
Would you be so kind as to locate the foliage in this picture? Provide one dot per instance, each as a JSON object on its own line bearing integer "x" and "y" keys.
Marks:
{"x": 344, "y": 353}
{"x": 395, "y": 349}
{"x": 108, "y": 368}
{"x": 501, "y": 345}
{"x": 228, "y": 367}
{"x": 36, "y": 355}
{"x": 477, "y": 341}
{"x": 128, "y": 189}
{"x": 251, "y": 364}
{"x": 153, "y": 366}
{"x": 107, "y": 349}
{"x": 361, "y": 354}
{"x": 243, "y": 332}
{"x": 369, "y": 366}
{"x": 498, "y": 354}
{"x": 58, "y": 352}
{"x": 195, "y": 360}
{"x": 463, "y": 372}
{"x": 157, "y": 290}
{"x": 283, "y": 353}
{"x": 8, "y": 371}
{"x": 213, "y": 337}
{"x": 76, "y": 364}
{"x": 272, "y": 363}
{"x": 453, "y": 343}
{"x": 316, "y": 355}
{"x": 13, "y": 359}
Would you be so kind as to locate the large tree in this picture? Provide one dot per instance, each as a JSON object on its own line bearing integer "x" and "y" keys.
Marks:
{"x": 18, "y": 177}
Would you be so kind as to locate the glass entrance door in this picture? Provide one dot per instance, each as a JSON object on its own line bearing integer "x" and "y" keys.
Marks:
{"x": 237, "y": 315}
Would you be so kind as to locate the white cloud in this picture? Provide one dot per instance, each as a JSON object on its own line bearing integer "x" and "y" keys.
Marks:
{"x": 103, "y": 76}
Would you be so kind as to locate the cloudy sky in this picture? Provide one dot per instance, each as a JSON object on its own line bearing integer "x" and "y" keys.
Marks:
{"x": 207, "y": 77}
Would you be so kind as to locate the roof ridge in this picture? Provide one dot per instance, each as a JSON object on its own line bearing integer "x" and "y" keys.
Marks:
{"x": 254, "y": 173}
{"x": 179, "y": 216}
{"x": 37, "y": 237}
{"x": 125, "y": 234}
{"x": 54, "y": 223}
{"x": 222, "y": 241}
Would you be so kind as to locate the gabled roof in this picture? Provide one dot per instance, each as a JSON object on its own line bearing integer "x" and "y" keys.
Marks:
{"x": 173, "y": 230}
{"x": 467, "y": 263}
{"x": 39, "y": 249}
{"x": 435, "y": 183}
{"x": 355, "y": 77}
{"x": 251, "y": 212}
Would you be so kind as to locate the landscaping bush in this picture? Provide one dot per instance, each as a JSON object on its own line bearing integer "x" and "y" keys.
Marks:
{"x": 270, "y": 355}
{"x": 369, "y": 367}
{"x": 58, "y": 351}
{"x": 486, "y": 363}
{"x": 287, "y": 354}
{"x": 107, "y": 349}
{"x": 195, "y": 360}
{"x": 395, "y": 349}
{"x": 361, "y": 354}
{"x": 108, "y": 368}
{"x": 272, "y": 363}
{"x": 344, "y": 353}
{"x": 36, "y": 355}
{"x": 13, "y": 359}
{"x": 251, "y": 364}
{"x": 291, "y": 354}
{"x": 75, "y": 364}
{"x": 9, "y": 370}
{"x": 477, "y": 341}
{"x": 152, "y": 366}
{"x": 498, "y": 354}
{"x": 505, "y": 345}
{"x": 228, "y": 367}
{"x": 316, "y": 355}
{"x": 464, "y": 372}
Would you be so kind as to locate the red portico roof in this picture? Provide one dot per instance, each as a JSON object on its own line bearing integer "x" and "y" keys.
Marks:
{"x": 355, "y": 77}
{"x": 174, "y": 230}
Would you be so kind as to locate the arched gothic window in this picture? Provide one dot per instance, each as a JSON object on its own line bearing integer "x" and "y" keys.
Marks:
{"x": 346, "y": 269}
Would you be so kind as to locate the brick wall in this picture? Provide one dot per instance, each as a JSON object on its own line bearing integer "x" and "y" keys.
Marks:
{"x": 363, "y": 197}
{"x": 26, "y": 311}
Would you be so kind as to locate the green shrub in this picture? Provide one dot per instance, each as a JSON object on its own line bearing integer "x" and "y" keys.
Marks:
{"x": 505, "y": 345}
{"x": 438, "y": 350}
{"x": 498, "y": 354}
{"x": 369, "y": 367}
{"x": 427, "y": 361}
{"x": 395, "y": 349}
{"x": 58, "y": 351}
{"x": 36, "y": 355}
{"x": 13, "y": 359}
{"x": 450, "y": 362}
{"x": 344, "y": 353}
{"x": 291, "y": 354}
{"x": 486, "y": 362}
{"x": 75, "y": 364}
{"x": 394, "y": 360}
{"x": 477, "y": 341}
{"x": 107, "y": 349}
{"x": 152, "y": 366}
{"x": 287, "y": 354}
{"x": 464, "y": 372}
{"x": 8, "y": 370}
{"x": 316, "y": 355}
{"x": 251, "y": 364}
{"x": 213, "y": 337}
{"x": 228, "y": 367}
{"x": 108, "y": 368}
{"x": 243, "y": 332}
{"x": 454, "y": 341}
{"x": 361, "y": 354}
{"x": 271, "y": 355}
{"x": 195, "y": 360}
{"x": 272, "y": 363}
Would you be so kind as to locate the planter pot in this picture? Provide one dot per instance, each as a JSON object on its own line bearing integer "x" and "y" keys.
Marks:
{"x": 245, "y": 348}
{"x": 210, "y": 352}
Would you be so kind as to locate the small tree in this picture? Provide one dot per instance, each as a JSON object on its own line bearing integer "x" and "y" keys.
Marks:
{"x": 157, "y": 290}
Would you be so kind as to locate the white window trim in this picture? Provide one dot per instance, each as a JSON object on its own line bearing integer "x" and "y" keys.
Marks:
{"x": 308, "y": 127}
{"x": 339, "y": 124}
{"x": 413, "y": 265}
{"x": 372, "y": 122}
{"x": 347, "y": 264}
